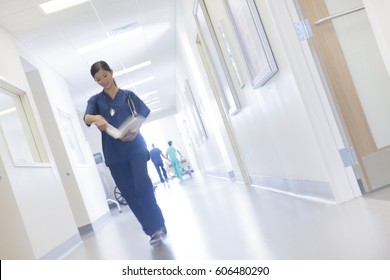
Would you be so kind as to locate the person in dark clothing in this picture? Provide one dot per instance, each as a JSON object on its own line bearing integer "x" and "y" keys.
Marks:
{"x": 125, "y": 157}
{"x": 155, "y": 156}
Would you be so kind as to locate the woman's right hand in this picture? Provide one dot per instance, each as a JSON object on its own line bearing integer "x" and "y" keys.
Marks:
{"x": 100, "y": 122}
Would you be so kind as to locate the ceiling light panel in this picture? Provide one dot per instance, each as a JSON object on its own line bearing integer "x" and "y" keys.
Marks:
{"x": 59, "y": 5}
{"x": 137, "y": 83}
{"x": 132, "y": 68}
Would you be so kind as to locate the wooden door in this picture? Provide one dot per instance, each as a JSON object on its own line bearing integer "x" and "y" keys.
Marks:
{"x": 372, "y": 163}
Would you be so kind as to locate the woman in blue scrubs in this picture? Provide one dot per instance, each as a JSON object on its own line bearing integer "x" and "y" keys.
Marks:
{"x": 125, "y": 157}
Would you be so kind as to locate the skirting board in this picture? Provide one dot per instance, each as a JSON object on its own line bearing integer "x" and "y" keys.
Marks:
{"x": 314, "y": 190}
{"x": 62, "y": 249}
{"x": 95, "y": 225}
{"x": 230, "y": 175}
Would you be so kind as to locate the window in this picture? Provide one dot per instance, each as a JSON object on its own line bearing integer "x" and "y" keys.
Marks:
{"x": 16, "y": 127}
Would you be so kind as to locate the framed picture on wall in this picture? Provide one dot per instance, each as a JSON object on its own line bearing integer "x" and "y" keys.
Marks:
{"x": 257, "y": 53}
{"x": 231, "y": 55}
{"x": 223, "y": 80}
{"x": 194, "y": 117}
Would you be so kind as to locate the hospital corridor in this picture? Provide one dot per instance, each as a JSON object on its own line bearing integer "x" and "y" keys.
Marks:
{"x": 277, "y": 111}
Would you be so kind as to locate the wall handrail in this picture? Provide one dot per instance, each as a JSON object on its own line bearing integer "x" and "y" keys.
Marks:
{"x": 354, "y": 10}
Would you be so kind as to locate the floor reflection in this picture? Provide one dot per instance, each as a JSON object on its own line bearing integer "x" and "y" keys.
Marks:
{"x": 162, "y": 251}
{"x": 214, "y": 219}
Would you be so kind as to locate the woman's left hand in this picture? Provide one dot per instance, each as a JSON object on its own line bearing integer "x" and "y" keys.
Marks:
{"x": 130, "y": 136}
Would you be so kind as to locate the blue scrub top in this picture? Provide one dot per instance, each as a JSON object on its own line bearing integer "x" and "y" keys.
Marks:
{"x": 114, "y": 150}
{"x": 155, "y": 156}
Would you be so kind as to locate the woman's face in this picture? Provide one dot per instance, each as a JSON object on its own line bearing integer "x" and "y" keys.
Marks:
{"x": 104, "y": 78}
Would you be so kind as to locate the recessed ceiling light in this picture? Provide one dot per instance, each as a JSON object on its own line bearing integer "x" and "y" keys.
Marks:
{"x": 148, "y": 97}
{"x": 155, "y": 109}
{"x": 58, "y": 5}
{"x": 148, "y": 94}
{"x": 152, "y": 102}
{"x": 138, "y": 82}
{"x": 132, "y": 68}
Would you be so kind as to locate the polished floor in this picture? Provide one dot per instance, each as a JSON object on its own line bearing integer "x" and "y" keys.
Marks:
{"x": 214, "y": 219}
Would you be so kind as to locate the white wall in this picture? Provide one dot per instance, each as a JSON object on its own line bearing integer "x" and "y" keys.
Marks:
{"x": 279, "y": 139}
{"x": 35, "y": 214}
{"x": 80, "y": 177}
{"x": 377, "y": 12}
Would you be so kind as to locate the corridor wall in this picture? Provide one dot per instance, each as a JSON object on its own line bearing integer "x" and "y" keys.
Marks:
{"x": 379, "y": 19}
{"x": 286, "y": 144}
{"x": 61, "y": 197}
{"x": 35, "y": 218}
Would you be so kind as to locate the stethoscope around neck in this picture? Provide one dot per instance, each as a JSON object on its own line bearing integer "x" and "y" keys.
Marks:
{"x": 131, "y": 107}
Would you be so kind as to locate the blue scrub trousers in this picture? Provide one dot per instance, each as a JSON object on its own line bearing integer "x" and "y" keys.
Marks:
{"x": 133, "y": 181}
{"x": 159, "y": 168}
{"x": 177, "y": 168}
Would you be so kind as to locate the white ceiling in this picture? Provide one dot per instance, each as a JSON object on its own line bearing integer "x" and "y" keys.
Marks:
{"x": 56, "y": 38}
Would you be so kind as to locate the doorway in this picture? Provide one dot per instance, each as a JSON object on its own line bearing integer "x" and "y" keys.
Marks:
{"x": 359, "y": 85}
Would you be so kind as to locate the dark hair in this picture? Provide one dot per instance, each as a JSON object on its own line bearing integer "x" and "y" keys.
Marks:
{"x": 100, "y": 65}
{"x": 170, "y": 143}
